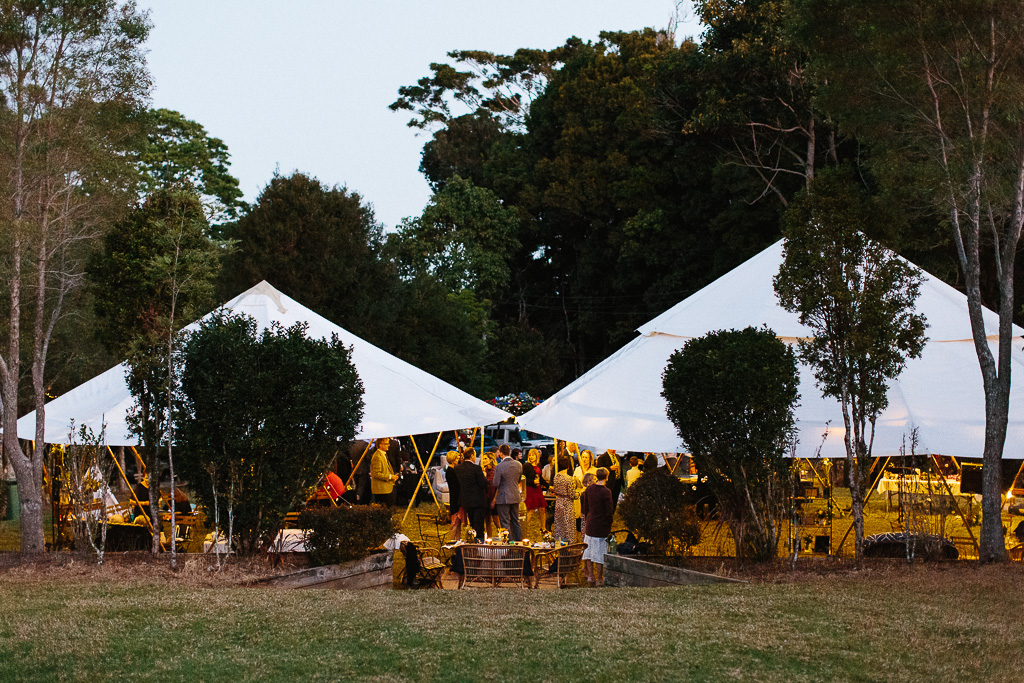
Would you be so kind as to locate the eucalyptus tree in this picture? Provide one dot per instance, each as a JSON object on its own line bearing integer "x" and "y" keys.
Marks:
{"x": 72, "y": 82}
{"x": 937, "y": 89}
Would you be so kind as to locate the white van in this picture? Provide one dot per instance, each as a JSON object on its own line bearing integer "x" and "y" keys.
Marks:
{"x": 510, "y": 433}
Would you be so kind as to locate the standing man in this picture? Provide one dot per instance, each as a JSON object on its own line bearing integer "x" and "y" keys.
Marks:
{"x": 382, "y": 476}
{"x": 361, "y": 465}
{"x": 472, "y": 491}
{"x": 507, "y": 475}
{"x": 610, "y": 461}
{"x": 596, "y": 504}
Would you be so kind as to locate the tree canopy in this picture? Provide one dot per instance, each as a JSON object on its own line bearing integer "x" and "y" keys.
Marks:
{"x": 318, "y": 244}
{"x": 260, "y": 418}
{"x": 178, "y": 151}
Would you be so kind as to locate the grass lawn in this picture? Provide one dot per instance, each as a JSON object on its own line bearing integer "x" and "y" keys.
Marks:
{"x": 117, "y": 623}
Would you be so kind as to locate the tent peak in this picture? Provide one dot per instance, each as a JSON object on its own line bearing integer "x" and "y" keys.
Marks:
{"x": 263, "y": 288}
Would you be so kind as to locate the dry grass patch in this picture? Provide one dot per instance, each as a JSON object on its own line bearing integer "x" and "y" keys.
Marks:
{"x": 120, "y": 623}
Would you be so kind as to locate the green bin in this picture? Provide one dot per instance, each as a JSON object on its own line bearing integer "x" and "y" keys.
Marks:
{"x": 13, "y": 503}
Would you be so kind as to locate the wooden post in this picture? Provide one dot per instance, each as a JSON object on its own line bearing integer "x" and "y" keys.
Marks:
{"x": 369, "y": 442}
{"x": 423, "y": 475}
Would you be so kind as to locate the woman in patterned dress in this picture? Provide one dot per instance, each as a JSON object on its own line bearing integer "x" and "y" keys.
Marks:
{"x": 565, "y": 493}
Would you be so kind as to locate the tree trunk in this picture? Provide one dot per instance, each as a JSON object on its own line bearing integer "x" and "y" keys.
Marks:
{"x": 30, "y": 495}
{"x": 154, "y": 505}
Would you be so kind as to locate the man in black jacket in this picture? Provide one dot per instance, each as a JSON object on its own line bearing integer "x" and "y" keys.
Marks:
{"x": 472, "y": 492}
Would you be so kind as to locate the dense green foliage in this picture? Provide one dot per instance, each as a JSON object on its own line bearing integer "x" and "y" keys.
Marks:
{"x": 464, "y": 238}
{"x": 731, "y": 396}
{"x": 260, "y": 418}
{"x": 317, "y": 244}
{"x": 654, "y": 510}
{"x": 130, "y": 279}
{"x": 342, "y": 534}
{"x": 178, "y": 151}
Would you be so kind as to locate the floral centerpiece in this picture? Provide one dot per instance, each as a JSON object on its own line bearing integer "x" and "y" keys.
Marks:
{"x": 517, "y": 404}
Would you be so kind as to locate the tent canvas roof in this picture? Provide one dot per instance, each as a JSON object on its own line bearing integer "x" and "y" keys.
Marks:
{"x": 399, "y": 398}
{"x": 618, "y": 404}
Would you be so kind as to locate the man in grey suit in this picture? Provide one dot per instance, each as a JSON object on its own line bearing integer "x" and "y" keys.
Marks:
{"x": 506, "y": 501}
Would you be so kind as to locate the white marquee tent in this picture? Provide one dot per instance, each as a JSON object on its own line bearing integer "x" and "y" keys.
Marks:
{"x": 399, "y": 399}
{"x": 618, "y": 404}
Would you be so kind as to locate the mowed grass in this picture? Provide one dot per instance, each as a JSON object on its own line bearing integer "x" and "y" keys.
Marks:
{"x": 116, "y": 624}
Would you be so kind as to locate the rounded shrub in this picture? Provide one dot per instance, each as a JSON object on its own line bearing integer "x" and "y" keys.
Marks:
{"x": 655, "y": 510}
{"x": 343, "y": 534}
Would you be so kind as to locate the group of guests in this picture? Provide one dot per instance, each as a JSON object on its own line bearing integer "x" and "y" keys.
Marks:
{"x": 382, "y": 472}
{"x": 585, "y": 490}
{"x": 475, "y": 490}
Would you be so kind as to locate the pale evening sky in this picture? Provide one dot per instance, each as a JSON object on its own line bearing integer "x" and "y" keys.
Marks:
{"x": 305, "y": 85}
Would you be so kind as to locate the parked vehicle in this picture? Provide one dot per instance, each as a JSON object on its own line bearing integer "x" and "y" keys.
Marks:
{"x": 516, "y": 437}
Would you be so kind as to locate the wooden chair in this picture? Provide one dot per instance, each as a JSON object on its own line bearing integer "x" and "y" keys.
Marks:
{"x": 428, "y": 570}
{"x": 494, "y": 564}
{"x": 965, "y": 547}
{"x": 430, "y": 529}
{"x": 561, "y": 564}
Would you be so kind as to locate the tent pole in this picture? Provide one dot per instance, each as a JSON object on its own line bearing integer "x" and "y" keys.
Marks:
{"x": 149, "y": 522}
{"x": 963, "y": 519}
{"x": 141, "y": 463}
{"x": 358, "y": 463}
{"x": 672, "y": 470}
{"x": 824, "y": 482}
{"x": 423, "y": 475}
{"x": 867, "y": 497}
{"x": 1016, "y": 476}
{"x": 121, "y": 470}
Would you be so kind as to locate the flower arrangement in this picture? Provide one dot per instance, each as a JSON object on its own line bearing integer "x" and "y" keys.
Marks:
{"x": 517, "y": 404}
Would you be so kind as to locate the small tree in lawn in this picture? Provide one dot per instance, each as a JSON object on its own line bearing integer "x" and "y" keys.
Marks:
{"x": 260, "y": 417}
{"x": 155, "y": 275}
{"x": 731, "y": 396}
{"x": 88, "y": 470}
{"x": 857, "y": 297}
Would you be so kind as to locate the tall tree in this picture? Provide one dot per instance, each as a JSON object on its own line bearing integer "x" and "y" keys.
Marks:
{"x": 316, "y": 243}
{"x": 758, "y": 95}
{"x": 465, "y": 238}
{"x": 178, "y": 151}
{"x": 857, "y": 297}
{"x": 154, "y": 276}
{"x": 937, "y": 86}
{"x": 72, "y": 75}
